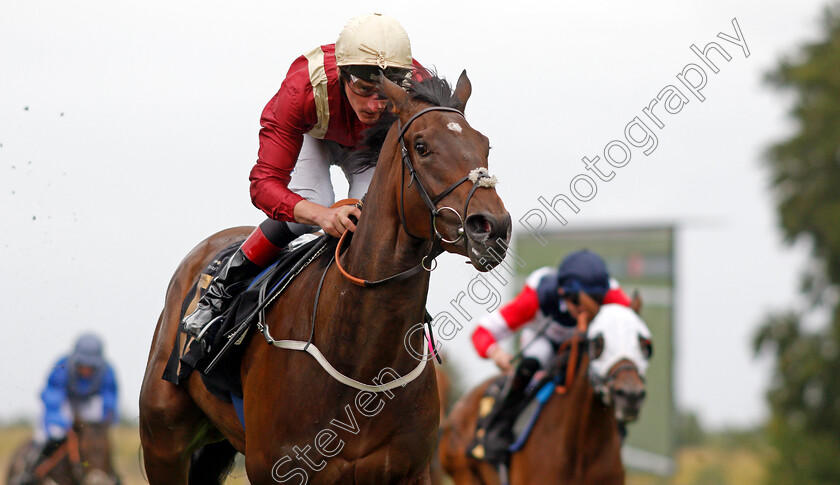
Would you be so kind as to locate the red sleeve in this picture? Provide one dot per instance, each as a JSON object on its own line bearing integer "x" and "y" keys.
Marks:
{"x": 617, "y": 295}
{"x": 420, "y": 72}
{"x": 521, "y": 309}
{"x": 482, "y": 340}
{"x": 285, "y": 119}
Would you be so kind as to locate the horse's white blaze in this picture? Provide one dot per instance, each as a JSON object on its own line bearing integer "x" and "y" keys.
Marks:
{"x": 621, "y": 329}
{"x": 454, "y": 127}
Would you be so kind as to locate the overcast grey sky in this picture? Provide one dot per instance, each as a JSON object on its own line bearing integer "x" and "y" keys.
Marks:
{"x": 128, "y": 130}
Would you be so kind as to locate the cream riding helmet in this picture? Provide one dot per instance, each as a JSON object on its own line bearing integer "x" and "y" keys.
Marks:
{"x": 372, "y": 43}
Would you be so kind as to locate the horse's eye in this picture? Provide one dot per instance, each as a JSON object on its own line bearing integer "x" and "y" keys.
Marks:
{"x": 421, "y": 149}
{"x": 647, "y": 347}
{"x": 596, "y": 347}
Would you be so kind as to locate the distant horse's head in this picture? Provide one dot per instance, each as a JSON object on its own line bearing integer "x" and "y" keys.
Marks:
{"x": 94, "y": 454}
{"x": 453, "y": 199}
{"x": 619, "y": 350}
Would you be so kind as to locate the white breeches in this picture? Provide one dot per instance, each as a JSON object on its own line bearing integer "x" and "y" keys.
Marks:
{"x": 311, "y": 176}
{"x": 543, "y": 347}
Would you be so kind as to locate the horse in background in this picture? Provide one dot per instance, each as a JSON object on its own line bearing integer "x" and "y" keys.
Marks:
{"x": 577, "y": 436}
{"x": 83, "y": 459}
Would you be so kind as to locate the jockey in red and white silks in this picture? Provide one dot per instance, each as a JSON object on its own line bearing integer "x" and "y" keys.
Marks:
{"x": 541, "y": 306}
{"x": 305, "y": 128}
{"x": 330, "y": 95}
{"x": 546, "y": 310}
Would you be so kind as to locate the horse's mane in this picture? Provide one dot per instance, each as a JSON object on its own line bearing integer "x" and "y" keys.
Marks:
{"x": 433, "y": 90}
{"x": 429, "y": 89}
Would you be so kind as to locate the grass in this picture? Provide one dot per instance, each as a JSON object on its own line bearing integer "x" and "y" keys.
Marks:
{"x": 722, "y": 461}
{"x": 125, "y": 441}
{"x": 710, "y": 465}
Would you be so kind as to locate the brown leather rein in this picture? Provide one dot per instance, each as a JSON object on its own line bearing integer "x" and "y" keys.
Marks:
{"x": 574, "y": 345}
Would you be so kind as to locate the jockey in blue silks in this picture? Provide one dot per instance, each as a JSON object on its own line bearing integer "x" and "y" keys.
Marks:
{"x": 81, "y": 385}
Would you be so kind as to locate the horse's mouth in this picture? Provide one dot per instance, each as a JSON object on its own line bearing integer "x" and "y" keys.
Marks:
{"x": 626, "y": 415}
{"x": 627, "y": 412}
{"x": 484, "y": 257}
{"x": 482, "y": 237}
{"x": 487, "y": 239}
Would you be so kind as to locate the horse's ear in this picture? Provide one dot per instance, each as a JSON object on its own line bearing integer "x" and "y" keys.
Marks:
{"x": 463, "y": 89}
{"x": 398, "y": 96}
{"x": 636, "y": 302}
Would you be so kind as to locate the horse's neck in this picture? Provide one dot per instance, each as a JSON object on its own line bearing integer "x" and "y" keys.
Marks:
{"x": 94, "y": 448}
{"x": 586, "y": 424}
{"x": 380, "y": 248}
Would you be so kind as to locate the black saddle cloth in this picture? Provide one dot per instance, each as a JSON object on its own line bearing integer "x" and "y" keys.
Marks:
{"x": 223, "y": 380}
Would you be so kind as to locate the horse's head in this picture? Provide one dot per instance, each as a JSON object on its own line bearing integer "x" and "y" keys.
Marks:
{"x": 453, "y": 201}
{"x": 94, "y": 453}
{"x": 619, "y": 350}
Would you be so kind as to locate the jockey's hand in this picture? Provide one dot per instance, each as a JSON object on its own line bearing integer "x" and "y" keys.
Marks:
{"x": 501, "y": 358}
{"x": 333, "y": 221}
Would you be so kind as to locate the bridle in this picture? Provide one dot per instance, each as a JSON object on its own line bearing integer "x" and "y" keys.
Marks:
{"x": 430, "y": 202}
{"x": 603, "y": 385}
{"x": 480, "y": 177}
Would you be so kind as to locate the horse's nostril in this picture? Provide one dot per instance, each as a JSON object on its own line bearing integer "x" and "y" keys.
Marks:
{"x": 479, "y": 225}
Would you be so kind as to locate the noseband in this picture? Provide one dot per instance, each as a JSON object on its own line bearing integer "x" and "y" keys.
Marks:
{"x": 603, "y": 385}
{"x": 480, "y": 177}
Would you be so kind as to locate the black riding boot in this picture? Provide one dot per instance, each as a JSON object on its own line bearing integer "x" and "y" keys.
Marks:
{"x": 500, "y": 425}
{"x": 218, "y": 295}
{"x": 257, "y": 251}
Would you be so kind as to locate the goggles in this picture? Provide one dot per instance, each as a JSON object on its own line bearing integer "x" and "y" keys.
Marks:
{"x": 362, "y": 88}
{"x": 362, "y": 80}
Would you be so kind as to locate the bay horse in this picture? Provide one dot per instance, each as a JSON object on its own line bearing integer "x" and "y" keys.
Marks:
{"x": 83, "y": 459}
{"x": 417, "y": 206}
{"x": 577, "y": 436}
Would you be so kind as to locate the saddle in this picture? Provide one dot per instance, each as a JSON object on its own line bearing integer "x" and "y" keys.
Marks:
{"x": 220, "y": 369}
{"x": 489, "y": 446}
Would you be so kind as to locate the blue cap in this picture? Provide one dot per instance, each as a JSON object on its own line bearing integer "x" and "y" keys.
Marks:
{"x": 583, "y": 271}
{"x": 88, "y": 351}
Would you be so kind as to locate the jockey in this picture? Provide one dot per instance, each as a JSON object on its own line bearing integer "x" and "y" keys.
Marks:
{"x": 546, "y": 310}
{"x": 81, "y": 385}
{"x": 330, "y": 95}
